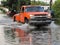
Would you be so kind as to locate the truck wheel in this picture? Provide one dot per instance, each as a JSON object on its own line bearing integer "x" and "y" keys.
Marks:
{"x": 14, "y": 19}
{"x": 26, "y": 20}
{"x": 48, "y": 24}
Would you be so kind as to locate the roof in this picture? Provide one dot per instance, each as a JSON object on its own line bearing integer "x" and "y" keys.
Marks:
{"x": 33, "y": 5}
{"x": 45, "y": 7}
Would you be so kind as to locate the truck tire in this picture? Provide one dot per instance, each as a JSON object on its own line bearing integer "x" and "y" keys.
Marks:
{"x": 48, "y": 24}
{"x": 26, "y": 20}
{"x": 14, "y": 19}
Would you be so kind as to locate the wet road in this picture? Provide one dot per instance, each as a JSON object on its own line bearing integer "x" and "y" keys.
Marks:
{"x": 12, "y": 33}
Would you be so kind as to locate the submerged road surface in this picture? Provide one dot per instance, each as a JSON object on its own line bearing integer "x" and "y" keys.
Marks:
{"x": 12, "y": 33}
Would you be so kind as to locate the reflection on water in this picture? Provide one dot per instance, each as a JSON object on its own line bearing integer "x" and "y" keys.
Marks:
{"x": 37, "y": 36}
{"x": 41, "y": 36}
{"x": 10, "y": 35}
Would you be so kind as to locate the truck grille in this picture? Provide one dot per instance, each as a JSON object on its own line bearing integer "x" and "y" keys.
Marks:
{"x": 40, "y": 14}
{"x": 39, "y": 19}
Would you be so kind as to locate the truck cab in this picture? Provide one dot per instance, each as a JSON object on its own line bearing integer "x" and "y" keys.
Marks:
{"x": 33, "y": 14}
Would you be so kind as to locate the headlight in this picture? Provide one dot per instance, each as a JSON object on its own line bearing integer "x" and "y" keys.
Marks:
{"x": 31, "y": 15}
{"x": 49, "y": 16}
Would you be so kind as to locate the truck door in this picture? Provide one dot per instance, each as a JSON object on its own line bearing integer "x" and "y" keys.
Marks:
{"x": 22, "y": 14}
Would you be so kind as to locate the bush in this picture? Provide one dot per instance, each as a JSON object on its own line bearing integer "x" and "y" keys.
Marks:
{"x": 3, "y": 11}
{"x": 56, "y": 8}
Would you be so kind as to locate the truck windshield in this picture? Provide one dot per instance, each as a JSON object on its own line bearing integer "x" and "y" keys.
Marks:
{"x": 34, "y": 9}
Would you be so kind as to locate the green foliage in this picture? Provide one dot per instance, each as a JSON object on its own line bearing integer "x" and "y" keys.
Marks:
{"x": 56, "y": 8}
{"x": 4, "y": 3}
{"x": 16, "y": 4}
{"x": 10, "y": 4}
{"x": 3, "y": 11}
{"x": 38, "y": 3}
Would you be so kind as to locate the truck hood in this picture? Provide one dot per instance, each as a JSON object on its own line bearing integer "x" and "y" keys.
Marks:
{"x": 34, "y": 13}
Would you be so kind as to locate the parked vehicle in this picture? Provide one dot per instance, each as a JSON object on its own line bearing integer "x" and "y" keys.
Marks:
{"x": 11, "y": 13}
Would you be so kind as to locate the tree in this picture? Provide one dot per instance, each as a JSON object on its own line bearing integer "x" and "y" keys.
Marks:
{"x": 38, "y": 3}
{"x": 10, "y": 4}
{"x": 15, "y": 4}
{"x": 56, "y": 8}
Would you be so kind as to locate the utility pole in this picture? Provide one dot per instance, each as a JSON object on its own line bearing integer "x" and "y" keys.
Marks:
{"x": 50, "y": 4}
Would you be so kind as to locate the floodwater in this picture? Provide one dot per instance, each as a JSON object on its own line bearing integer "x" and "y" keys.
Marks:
{"x": 12, "y": 33}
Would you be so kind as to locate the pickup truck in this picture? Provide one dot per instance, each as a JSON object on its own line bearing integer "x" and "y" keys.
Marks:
{"x": 34, "y": 15}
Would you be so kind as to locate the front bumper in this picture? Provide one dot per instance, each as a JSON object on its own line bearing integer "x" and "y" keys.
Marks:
{"x": 40, "y": 20}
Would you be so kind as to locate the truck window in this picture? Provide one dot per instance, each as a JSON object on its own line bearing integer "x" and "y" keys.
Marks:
{"x": 34, "y": 9}
{"x": 22, "y": 10}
